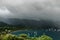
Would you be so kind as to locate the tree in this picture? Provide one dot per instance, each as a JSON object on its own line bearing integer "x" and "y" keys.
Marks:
{"x": 45, "y": 37}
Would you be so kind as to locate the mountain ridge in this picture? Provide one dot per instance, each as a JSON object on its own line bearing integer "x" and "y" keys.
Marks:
{"x": 45, "y": 24}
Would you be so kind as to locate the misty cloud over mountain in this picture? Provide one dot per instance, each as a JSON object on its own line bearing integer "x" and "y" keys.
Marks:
{"x": 30, "y": 9}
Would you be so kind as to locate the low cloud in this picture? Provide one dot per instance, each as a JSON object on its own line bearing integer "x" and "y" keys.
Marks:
{"x": 32, "y": 9}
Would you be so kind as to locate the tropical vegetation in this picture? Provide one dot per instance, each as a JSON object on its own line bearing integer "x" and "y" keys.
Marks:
{"x": 23, "y": 37}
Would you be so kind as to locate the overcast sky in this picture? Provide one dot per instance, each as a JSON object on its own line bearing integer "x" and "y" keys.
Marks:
{"x": 30, "y": 9}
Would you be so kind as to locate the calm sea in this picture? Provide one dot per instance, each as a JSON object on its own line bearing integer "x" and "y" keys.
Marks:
{"x": 54, "y": 34}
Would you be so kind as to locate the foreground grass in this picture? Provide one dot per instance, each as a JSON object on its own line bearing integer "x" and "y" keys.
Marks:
{"x": 24, "y": 37}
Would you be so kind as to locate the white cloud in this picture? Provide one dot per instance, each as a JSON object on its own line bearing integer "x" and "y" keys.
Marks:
{"x": 4, "y": 12}
{"x": 49, "y": 9}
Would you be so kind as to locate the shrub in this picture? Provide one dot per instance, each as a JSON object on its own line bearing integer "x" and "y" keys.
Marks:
{"x": 23, "y": 35}
{"x": 9, "y": 37}
{"x": 45, "y": 37}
